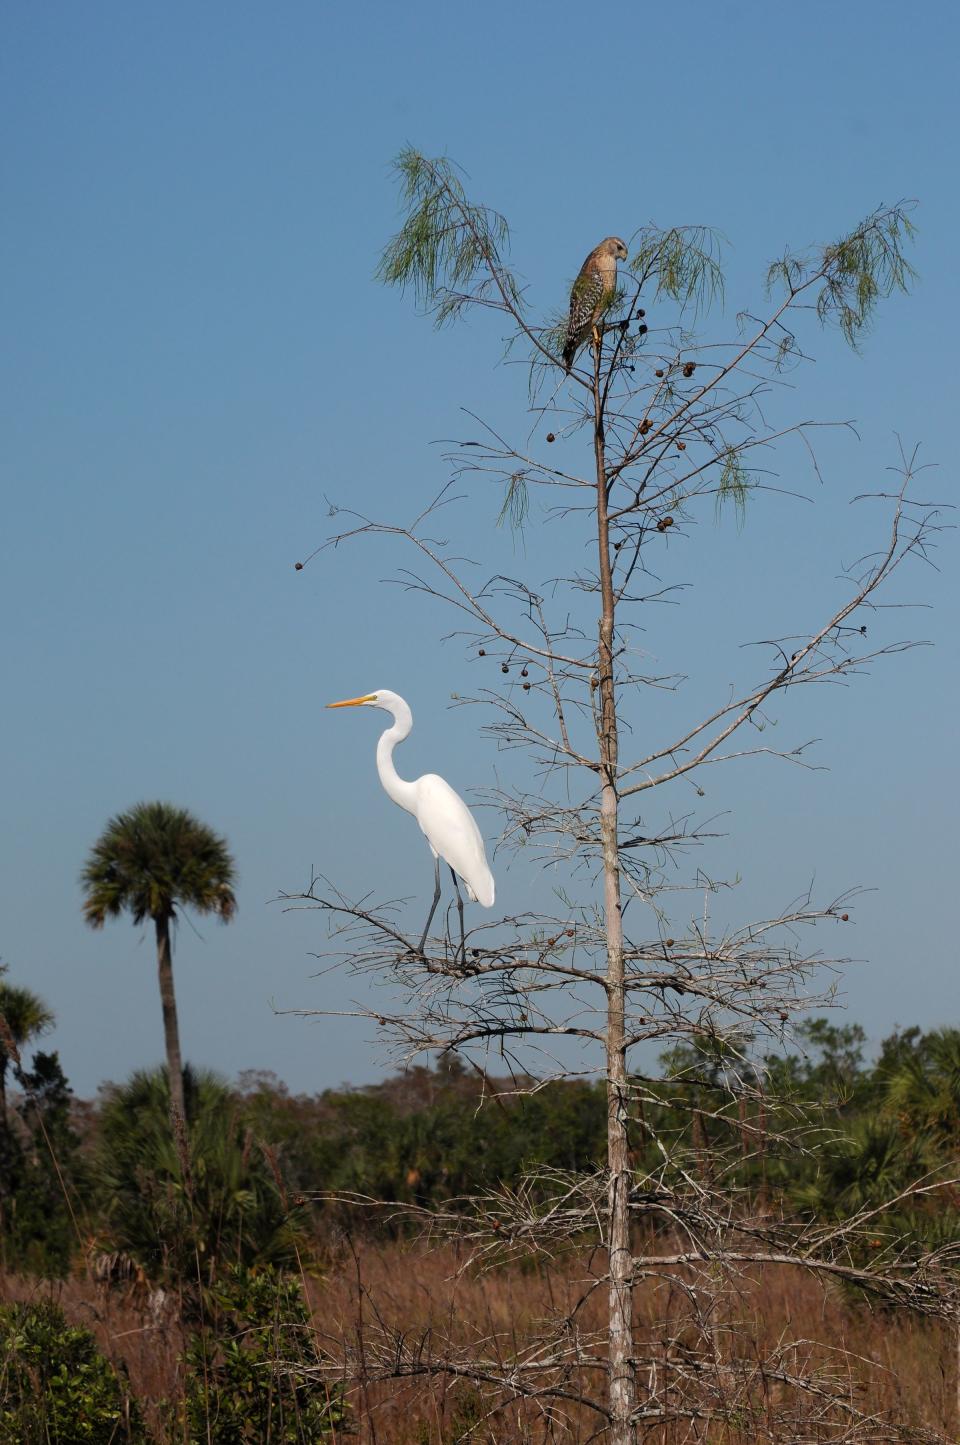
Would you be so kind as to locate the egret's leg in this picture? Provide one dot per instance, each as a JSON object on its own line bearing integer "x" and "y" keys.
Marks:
{"x": 433, "y": 905}
{"x": 463, "y": 936}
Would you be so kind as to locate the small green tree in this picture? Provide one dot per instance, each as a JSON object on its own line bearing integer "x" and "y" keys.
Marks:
{"x": 56, "y": 1388}
{"x": 252, "y": 1368}
{"x": 23, "y": 1017}
{"x": 50, "y": 1181}
{"x": 154, "y": 862}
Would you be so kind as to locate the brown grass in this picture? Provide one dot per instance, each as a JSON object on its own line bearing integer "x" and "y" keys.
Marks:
{"x": 894, "y": 1365}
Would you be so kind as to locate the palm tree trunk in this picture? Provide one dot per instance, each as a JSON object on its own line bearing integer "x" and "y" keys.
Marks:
{"x": 171, "y": 1030}
{"x": 622, "y": 1379}
{"x": 4, "y": 1125}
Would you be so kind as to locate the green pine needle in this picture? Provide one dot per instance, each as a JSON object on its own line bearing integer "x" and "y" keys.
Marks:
{"x": 855, "y": 272}
{"x": 516, "y": 503}
{"x": 734, "y": 485}
{"x": 449, "y": 251}
{"x": 684, "y": 261}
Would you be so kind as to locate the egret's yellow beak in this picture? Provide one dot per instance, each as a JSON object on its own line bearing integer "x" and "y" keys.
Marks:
{"x": 354, "y": 701}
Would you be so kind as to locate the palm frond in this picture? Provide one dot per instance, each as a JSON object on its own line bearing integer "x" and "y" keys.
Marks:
{"x": 153, "y": 859}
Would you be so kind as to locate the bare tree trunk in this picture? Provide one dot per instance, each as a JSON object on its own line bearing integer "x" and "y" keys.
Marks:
{"x": 171, "y": 1030}
{"x": 671, "y": 1376}
{"x": 622, "y": 1385}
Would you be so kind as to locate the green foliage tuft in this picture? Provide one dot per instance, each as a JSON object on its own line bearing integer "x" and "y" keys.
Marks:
{"x": 734, "y": 484}
{"x": 448, "y": 250}
{"x": 855, "y": 272}
{"x": 684, "y": 261}
{"x": 516, "y": 503}
{"x": 55, "y": 1386}
{"x": 552, "y": 338}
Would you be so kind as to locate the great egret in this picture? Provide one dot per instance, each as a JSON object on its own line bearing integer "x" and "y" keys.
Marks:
{"x": 448, "y": 824}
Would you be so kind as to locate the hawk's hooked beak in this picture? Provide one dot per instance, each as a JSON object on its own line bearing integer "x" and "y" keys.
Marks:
{"x": 354, "y": 701}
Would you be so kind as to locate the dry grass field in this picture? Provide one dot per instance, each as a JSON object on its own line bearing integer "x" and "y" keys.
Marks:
{"x": 891, "y": 1366}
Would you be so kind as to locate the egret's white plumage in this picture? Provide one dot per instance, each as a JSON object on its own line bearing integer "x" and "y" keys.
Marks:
{"x": 445, "y": 820}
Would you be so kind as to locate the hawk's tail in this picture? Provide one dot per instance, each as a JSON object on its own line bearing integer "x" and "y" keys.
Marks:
{"x": 569, "y": 352}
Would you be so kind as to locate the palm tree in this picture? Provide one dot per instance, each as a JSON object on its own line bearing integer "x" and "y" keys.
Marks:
{"x": 25, "y": 1016}
{"x": 153, "y": 862}
{"x": 921, "y": 1079}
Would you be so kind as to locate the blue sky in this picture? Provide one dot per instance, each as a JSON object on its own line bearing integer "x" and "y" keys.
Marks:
{"x": 197, "y": 359}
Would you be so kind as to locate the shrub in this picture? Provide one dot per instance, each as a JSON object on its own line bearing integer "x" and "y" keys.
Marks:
{"x": 232, "y": 1208}
{"x": 251, "y": 1368}
{"x": 55, "y": 1386}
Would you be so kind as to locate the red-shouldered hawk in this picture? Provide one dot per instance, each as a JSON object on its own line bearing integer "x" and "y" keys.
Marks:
{"x": 591, "y": 294}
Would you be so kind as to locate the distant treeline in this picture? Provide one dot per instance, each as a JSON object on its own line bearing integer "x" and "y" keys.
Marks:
{"x": 100, "y": 1185}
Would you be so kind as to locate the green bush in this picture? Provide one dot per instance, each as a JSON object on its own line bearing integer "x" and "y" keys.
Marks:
{"x": 249, "y": 1367}
{"x": 55, "y": 1386}
{"x": 232, "y": 1208}
{"x": 43, "y": 1174}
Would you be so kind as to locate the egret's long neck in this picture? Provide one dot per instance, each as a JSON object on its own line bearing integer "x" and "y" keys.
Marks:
{"x": 396, "y": 787}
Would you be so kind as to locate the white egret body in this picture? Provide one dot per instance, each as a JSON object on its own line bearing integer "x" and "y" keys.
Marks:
{"x": 444, "y": 818}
